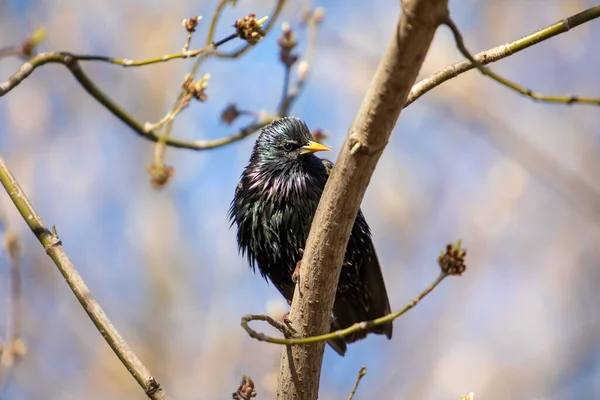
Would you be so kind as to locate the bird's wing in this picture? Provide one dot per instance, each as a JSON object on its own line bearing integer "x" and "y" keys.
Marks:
{"x": 328, "y": 166}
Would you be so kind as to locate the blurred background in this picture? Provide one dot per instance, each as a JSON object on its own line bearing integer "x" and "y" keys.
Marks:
{"x": 515, "y": 179}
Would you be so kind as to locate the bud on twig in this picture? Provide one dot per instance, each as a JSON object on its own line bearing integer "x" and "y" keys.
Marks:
{"x": 287, "y": 41}
{"x": 318, "y": 14}
{"x": 230, "y": 113}
{"x": 246, "y": 390}
{"x": 452, "y": 262}
{"x": 302, "y": 70}
{"x": 197, "y": 88}
{"x": 319, "y": 135}
{"x": 250, "y": 29}
{"x": 190, "y": 24}
{"x": 160, "y": 175}
{"x": 30, "y": 44}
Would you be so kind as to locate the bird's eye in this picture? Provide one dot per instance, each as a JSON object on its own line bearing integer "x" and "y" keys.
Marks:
{"x": 289, "y": 146}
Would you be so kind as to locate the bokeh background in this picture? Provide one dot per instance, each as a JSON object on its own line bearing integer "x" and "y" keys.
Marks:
{"x": 517, "y": 180}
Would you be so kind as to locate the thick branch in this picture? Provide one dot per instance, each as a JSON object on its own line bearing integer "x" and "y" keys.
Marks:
{"x": 323, "y": 255}
{"x": 54, "y": 249}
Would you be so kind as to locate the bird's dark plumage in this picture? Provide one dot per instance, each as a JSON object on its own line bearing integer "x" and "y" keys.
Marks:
{"x": 273, "y": 208}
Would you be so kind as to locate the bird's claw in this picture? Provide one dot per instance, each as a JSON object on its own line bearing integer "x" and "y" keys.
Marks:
{"x": 296, "y": 273}
{"x": 288, "y": 322}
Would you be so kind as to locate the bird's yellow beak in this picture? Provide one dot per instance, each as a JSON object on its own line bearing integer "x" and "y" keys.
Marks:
{"x": 313, "y": 147}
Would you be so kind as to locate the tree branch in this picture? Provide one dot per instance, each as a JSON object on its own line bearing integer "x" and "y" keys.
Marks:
{"x": 525, "y": 91}
{"x": 312, "y": 20}
{"x": 361, "y": 373}
{"x": 359, "y": 326}
{"x": 324, "y": 252}
{"x": 451, "y": 262}
{"x": 71, "y": 62}
{"x": 500, "y": 52}
{"x": 55, "y": 251}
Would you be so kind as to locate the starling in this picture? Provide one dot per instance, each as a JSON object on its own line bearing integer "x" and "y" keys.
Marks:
{"x": 273, "y": 208}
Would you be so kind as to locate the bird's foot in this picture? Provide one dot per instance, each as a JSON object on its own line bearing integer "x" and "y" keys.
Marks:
{"x": 288, "y": 323}
{"x": 296, "y": 274}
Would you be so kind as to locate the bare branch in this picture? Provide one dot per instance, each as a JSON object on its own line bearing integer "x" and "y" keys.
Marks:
{"x": 566, "y": 99}
{"x": 312, "y": 19}
{"x": 451, "y": 262}
{"x": 500, "y": 52}
{"x": 361, "y": 373}
{"x": 338, "y": 207}
{"x": 55, "y": 251}
{"x": 249, "y": 29}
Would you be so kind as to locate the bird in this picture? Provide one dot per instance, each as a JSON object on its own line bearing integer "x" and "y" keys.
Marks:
{"x": 273, "y": 208}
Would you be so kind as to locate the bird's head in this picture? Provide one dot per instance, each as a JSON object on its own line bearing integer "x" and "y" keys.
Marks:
{"x": 284, "y": 144}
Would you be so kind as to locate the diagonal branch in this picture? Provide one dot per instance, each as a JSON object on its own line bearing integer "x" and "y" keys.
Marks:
{"x": 525, "y": 91}
{"x": 361, "y": 373}
{"x": 500, "y": 52}
{"x": 367, "y": 137}
{"x": 55, "y": 251}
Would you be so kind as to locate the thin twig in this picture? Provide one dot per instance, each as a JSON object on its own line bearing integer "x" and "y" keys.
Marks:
{"x": 149, "y": 127}
{"x": 55, "y": 251}
{"x": 565, "y": 99}
{"x": 503, "y": 51}
{"x": 361, "y": 373}
{"x": 303, "y": 67}
{"x": 66, "y": 57}
{"x": 124, "y": 115}
{"x": 359, "y": 326}
{"x": 11, "y": 51}
{"x": 284, "y": 92}
{"x": 162, "y": 142}
{"x": 12, "y": 347}
{"x": 268, "y": 26}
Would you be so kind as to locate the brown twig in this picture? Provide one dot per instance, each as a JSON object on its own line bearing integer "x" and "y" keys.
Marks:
{"x": 72, "y": 62}
{"x": 53, "y": 246}
{"x": 525, "y": 91}
{"x": 361, "y": 373}
{"x": 312, "y": 20}
{"x": 502, "y": 51}
{"x": 451, "y": 262}
{"x": 324, "y": 251}
{"x": 359, "y": 326}
{"x": 66, "y": 58}
{"x": 137, "y": 126}
{"x": 242, "y": 26}
{"x": 268, "y": 26}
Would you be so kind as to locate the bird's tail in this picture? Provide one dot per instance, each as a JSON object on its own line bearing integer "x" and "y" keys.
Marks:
{"x": 348, "y": 310}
